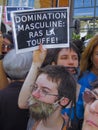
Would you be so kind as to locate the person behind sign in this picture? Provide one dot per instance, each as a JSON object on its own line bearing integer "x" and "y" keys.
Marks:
{"x": 8, "y": 42}
{"x": 40, "y": 56}
{"x": 3, "y": 79}
{"x": 53, "y": 89}
{"x": 70, "y": 58}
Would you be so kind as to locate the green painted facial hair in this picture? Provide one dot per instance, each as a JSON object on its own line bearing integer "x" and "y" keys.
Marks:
{"x": 40, "y": 110}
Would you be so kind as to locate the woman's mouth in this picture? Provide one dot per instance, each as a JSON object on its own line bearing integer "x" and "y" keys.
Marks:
{"x": 91, "y": 123}
{"x": 71, "y": 70}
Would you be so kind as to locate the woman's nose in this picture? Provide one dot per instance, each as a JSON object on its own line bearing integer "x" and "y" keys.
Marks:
{"x": 71, "y": 61}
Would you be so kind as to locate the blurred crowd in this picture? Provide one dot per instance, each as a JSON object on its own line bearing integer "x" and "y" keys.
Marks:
{"x": 28, "y": 98}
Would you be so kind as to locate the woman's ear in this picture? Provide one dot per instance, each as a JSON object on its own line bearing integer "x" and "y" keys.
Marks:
{"x": 64, "y": 101}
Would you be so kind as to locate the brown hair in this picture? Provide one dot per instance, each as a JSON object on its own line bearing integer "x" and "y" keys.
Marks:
{"x": 85, "y": 62}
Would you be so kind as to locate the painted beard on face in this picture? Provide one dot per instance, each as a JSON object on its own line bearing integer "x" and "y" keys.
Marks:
{"x": 40, "y": 110}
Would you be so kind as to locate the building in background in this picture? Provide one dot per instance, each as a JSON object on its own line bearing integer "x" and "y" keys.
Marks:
{"x": 17, "y": 2}
{"x": 87, "y": 12}
{"x": 29, "y": 3}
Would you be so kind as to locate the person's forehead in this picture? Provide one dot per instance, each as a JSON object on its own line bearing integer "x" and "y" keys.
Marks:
{"x": 43, "y": 80}
{"x": 68, "y": 51}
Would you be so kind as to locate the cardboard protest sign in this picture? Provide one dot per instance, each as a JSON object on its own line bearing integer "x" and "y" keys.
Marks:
{"x": 47, "y": 26}
{"x": 9, "y": 9}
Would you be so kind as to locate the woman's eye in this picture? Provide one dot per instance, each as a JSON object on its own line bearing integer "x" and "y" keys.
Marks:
{"x": 96, "y": 54}
{"x": 75, "y": 58}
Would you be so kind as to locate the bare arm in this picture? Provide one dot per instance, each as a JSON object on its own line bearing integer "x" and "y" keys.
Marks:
{"x": 38, "y": 58}
{"x": 3, "y": 77}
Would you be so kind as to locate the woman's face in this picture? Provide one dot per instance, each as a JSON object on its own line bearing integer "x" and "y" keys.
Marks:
{"x": 94, "y": 58}
{"x": 68, "y": 58}
{"x": 91, "y": 111}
